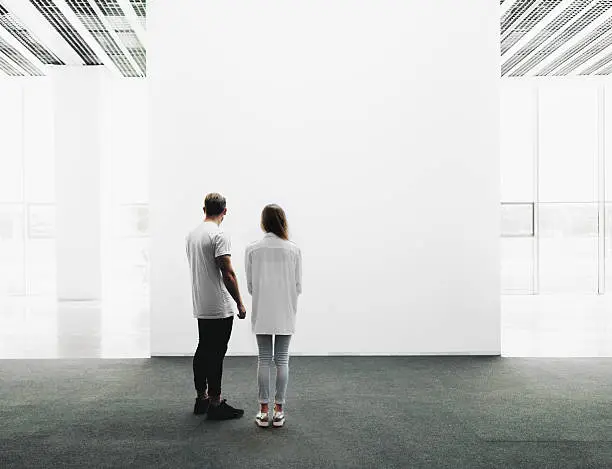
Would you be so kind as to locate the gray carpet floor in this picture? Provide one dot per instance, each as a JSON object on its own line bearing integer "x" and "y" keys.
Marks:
{"x": 342, "y": 412}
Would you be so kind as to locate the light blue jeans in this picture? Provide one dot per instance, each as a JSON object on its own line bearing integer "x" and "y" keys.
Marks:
{"x": 264, "y": 363}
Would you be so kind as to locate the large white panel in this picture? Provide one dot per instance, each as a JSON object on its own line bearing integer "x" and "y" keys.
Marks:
{"x": 124, "y": 186}
{"x": 517, "y": 141}
{"x": 568, "y": 142}
{"x": 12, "y": 250}
{"x": 124, "y": 127}
{"x": 608, "y": 140}
{"x": 383, "y": 149}
{"x": 39, "y": 140}
{"x": 11, "y": 144}
{"x": 568, "y": 248}
{"x": 77, "y": 182}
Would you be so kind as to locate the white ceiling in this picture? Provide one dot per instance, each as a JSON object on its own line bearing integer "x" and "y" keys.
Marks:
{"x": 538, "y": 37}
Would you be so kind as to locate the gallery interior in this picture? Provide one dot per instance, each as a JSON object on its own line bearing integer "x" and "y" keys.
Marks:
{"x": 445, "y": 168}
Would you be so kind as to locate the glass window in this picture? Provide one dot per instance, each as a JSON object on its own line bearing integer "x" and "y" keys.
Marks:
{"x": 41, "y": 221}
{"x": 41, "y": 267}
{"x": 129, "y": 265}
{"x": 517, "y": 220}
{"x": 608, "y": 249}
{"x": 12, "y": 250}
{"x": 517, "y": 265}
{"x": 133, "y": 221}
{"x": 568, "y": 248}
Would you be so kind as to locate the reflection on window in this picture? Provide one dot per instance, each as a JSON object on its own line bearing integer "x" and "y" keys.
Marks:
{"x": 12, "y": 268}
{"x": 133, "y": 221}
{"x": 608, "y": 248}
{"x": 129, "y": 252}
{"x": 568, "y": 248}
{"x": 517, "y": 220}
{"x": 11, "y": 222}
{"x": 568, "y": 220}
{"x": 517, "y": 265}
{"x": 41, "y": 221}
{"x": 41, "y": 267}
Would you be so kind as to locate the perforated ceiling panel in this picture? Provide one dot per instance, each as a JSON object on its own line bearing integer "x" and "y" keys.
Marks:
{"x": 124, "y": 31}
{"x": 140, "y": 6}
{"x": 526, "y": 24}
{"x": 25, "y": 37}
{"x": 66, "y": 30}
{"x": 575, "y": 50}
{"x": 514, "y": 13}
{"x": 537, "y": 37}
{"x": 9, "y": 69}
{"x": 563, "y": 37}
{"x": 18, "y": 59}
{"x": 600, "y": 67}
{"x": 96, "y": 27}
{"x": 557, "y": 38}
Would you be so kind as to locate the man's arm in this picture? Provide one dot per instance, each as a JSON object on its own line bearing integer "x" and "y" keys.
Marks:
{"x": 229, "y": 279}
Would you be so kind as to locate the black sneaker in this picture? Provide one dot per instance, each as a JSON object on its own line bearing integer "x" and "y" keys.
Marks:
{"x": 224, "y": 411}
{"x": 201, "y": 406}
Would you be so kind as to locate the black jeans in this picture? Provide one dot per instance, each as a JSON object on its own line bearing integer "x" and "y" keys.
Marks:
{"x": 214, "y": 334}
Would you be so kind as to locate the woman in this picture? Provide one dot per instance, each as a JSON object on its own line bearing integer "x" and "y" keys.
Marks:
{"x": 274, "y": 279}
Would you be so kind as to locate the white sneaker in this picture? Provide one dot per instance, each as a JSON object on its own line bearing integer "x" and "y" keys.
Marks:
{"x": 279, "y": 419}
{"x": 262, "y": 420}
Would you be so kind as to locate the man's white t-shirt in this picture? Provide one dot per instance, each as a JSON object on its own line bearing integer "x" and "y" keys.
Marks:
{"x": 211, "y": 300}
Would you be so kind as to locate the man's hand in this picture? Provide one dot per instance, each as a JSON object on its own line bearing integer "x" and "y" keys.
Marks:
{"x": 241, "y": 311}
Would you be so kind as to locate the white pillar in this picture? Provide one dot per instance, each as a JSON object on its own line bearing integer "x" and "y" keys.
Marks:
{"x": 77, "y": 178}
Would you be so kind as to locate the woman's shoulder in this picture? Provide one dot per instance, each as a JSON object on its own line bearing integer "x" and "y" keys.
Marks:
{"x": 293, "y": 245}
{"x": 253, "y": 245}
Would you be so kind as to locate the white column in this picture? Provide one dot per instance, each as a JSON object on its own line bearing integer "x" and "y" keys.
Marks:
{"x": 77, "y": 178}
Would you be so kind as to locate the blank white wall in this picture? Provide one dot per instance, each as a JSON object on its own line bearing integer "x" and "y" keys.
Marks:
{"x": 381, "y": 146}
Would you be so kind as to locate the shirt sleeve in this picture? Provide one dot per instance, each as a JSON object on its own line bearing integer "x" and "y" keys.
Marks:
{"x": 222, "y": 245}
{"x": 249, "y": 270}
{"x": 298, "y": 273}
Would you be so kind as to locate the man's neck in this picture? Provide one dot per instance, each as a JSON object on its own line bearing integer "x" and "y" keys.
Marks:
{"x": 215, "y": 220}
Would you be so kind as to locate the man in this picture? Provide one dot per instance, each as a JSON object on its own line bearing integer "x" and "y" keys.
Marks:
{"x": 214, "y": 284}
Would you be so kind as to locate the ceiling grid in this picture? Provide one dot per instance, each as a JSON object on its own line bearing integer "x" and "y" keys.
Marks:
{"x": 573, "y": 52}
{"x": 86, "y": 13}
{"x": 563, "y": 36}
{"x": 9, "y": 69}
{"x": 20, "y": 32}
{"x": 19, "y": 59}
{"x": 50, "y": 11}
{"x": 543, "y": 38}
{"x": 557, "y": 42}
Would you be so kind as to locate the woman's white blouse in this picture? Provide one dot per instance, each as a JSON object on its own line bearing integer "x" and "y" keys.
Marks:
{"x": 274, "y": 279}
